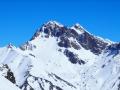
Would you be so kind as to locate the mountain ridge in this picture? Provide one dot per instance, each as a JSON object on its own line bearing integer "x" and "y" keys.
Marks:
{"x": 57, "y": 29}
{"x": 58, "y": 57}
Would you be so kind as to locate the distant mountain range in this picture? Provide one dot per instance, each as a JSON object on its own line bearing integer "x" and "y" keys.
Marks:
{"x": 58, "y": 57}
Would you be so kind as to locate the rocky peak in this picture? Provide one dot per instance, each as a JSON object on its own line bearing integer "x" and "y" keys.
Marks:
{"x": 79, "y": 27}
{"x": 113, "y": 49}
{"x": 53, "y": 24}
{"x": 47, "y": 28}
{"x": 92, "y": 43}
{"x": 115, "y": 46}
{"x": 10, "y": 46}
{"x": 77, "y": 32}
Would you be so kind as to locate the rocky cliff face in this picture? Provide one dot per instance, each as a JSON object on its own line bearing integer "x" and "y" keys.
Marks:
{"x": 63, "y": 33}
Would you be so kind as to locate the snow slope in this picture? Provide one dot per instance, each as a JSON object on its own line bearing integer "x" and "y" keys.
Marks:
{"x": 6, "y": 84}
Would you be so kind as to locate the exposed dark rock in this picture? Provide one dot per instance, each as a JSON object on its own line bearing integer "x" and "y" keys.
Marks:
{"x": 41, "y": 83}
{"x": 89, "y": 42}
{"x": 47, "y": 31}
{"x": 25, "y": 85}
{"x": 73, "y": 33}
{"x": 119, "y": 86}
{"x": 119, "y": 78}
{"x": 59, "y": 78}
{"x": 57, "y": 32}
{"x": 113, "y": 49}
{"x": 60, "y": 50}
{"x": 75, "y": 45}
{"x": 27, "y": 46}
{"x": 115, "y": 46}
{"x": 64, "y": 42}
{"x": 46, "y": 36}
{"x": 35, "y": 35}
{"x": 58, "y": 88}
{"x": 73, "y": 57}
{"x": 32, "y": 55}
{"x": 9, "y": 75}
{"x": 81, "y": 62}
{"x": 103, "y": 65}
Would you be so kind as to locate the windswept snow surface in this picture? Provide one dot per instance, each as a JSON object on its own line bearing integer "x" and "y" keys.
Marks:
{"x": 6, "y": 84}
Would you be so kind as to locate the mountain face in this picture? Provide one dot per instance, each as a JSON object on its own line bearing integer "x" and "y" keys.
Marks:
{"x": 61, "y": 58}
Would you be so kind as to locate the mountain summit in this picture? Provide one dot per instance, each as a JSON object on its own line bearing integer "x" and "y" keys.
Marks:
{"x": 58, "y": 57}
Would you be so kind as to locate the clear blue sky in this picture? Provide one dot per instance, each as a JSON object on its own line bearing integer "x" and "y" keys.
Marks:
{"x": 19, "y": 19}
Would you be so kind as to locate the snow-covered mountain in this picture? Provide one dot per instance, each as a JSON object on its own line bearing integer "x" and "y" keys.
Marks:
{"x": 61, "y": 58}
